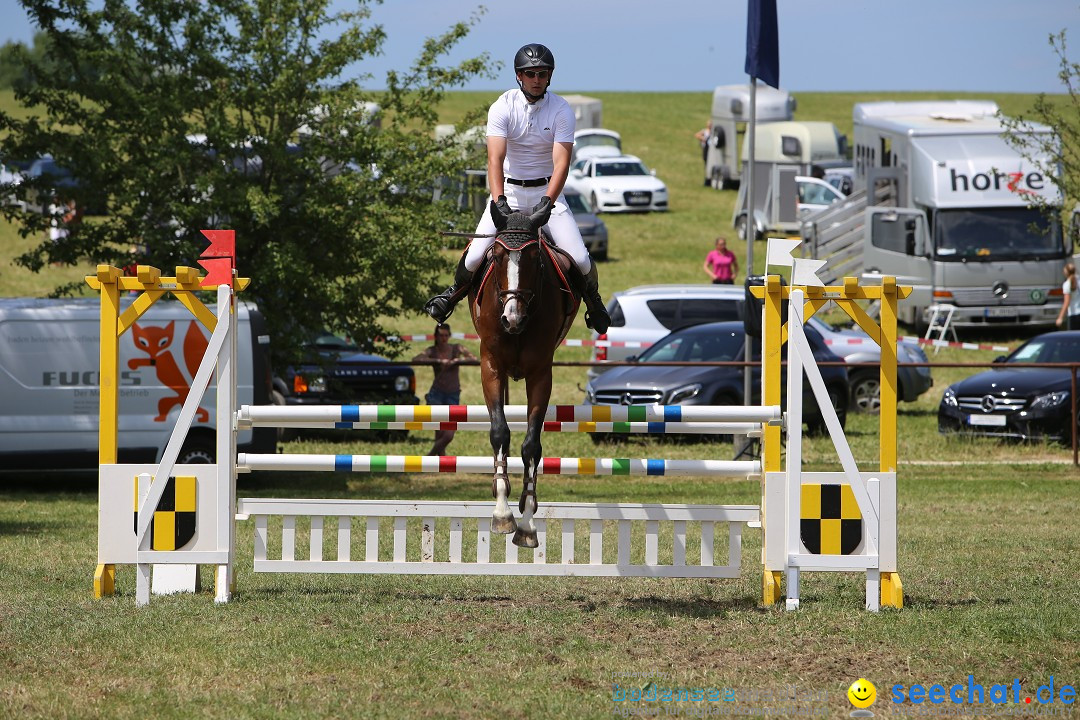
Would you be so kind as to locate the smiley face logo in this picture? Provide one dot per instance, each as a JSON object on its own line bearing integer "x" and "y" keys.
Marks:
{"x": 862, "y": 693}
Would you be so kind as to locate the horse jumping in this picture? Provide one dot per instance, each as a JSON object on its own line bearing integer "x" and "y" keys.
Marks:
{"x": 522, "y": 308}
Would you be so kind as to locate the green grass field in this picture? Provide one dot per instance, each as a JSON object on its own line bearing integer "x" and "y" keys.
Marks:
{"x": 987, "y": 554}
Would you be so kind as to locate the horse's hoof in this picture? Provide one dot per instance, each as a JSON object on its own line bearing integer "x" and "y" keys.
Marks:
{"x": 525, "y": 539}
{"x": 503, "y": 526}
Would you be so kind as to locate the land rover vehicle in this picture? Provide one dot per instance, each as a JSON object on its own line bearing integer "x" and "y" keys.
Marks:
{"x": 338, "y": 373}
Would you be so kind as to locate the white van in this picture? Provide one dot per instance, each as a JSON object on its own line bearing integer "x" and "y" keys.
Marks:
{"x": 49, "y": 357}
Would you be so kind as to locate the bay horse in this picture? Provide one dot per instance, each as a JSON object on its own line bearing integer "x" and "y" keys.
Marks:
{"x": 522, "y": 308}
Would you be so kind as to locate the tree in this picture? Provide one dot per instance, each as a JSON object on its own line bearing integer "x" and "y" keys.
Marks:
{"x": 12, "y": 65}
{"x": 1057, "y": 154}
{"x": 178, "y": 115}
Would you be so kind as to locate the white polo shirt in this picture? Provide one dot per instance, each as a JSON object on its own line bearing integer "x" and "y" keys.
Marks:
{"x": 530, "y": 130}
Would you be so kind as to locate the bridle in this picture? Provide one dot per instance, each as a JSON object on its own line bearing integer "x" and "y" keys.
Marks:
{"x": 518, "y": 241}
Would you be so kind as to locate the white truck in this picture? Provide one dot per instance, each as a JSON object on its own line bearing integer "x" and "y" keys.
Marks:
{"x": 784, "y": 191}
{"x": 49, "y": 357}
{"x": 728, "y": 119}
{"x": 942, "y": 202}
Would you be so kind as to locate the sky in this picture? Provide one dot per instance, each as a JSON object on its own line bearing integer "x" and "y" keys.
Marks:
{"x": 695, "y": 45}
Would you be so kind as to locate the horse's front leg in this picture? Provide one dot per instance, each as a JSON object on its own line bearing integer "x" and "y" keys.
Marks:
{"x": 538, "y": 388}
{"x": 502, "y": 519}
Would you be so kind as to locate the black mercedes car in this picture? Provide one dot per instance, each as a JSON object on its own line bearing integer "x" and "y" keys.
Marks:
{"x": 647, "y": 384}
{"x": 1020, "y": 403}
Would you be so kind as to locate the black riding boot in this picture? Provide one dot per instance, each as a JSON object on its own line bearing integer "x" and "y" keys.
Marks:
{"x": 588, "y": 288}
{"x": 442, "y": 305}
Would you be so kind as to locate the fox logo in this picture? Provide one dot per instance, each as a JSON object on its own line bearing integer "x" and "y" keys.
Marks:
{"x": 155, "y": 342}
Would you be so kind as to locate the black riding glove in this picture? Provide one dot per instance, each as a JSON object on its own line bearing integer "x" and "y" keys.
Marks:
{"x": 501, "y": 206}
{"x": 542, "y": 210}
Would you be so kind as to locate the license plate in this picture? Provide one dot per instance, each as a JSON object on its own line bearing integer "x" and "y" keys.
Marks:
{"x": 1001, "y": 312}
{"x": 638, "y": 199}
{"x": 990, "y": 420}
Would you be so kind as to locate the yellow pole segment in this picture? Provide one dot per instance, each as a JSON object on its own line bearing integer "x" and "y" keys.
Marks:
{"x": 892, "y": 589}
{"x": 771, "y": 343}
{"x": 887, "y": 413}
{"x": 108, "y": 396}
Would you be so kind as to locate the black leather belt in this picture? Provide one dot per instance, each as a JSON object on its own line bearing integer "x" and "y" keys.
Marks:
{"x": 536, "y": 182}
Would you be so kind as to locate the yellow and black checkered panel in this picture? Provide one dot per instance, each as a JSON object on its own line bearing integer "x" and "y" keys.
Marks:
{"x": 173, "y": 525}
{"x": 830, "y": 522}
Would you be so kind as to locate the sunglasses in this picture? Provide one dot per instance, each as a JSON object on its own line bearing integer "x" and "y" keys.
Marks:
{"x": 542, "y": 74}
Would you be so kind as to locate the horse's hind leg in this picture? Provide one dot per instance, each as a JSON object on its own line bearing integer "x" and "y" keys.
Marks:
{"x": 532, "y": 452}
{"x": 502, "y": 519}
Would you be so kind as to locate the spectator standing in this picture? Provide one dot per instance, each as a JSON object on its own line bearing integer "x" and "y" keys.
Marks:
{"x": 721, "y": 264}
{"x": 703, "y": 137}
{"x": 1071, "y": 302}
{"x": 446, "y": 385}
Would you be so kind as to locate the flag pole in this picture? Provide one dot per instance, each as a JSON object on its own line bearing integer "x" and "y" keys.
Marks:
{"x": 751, "y": 233}
{"x": 762, "y": 61}
{"x": 751, "y": 226}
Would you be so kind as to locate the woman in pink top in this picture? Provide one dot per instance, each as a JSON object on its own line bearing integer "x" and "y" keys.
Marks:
{"x": 720, "y": 264}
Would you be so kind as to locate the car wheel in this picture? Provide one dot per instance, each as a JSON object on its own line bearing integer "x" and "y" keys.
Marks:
{"x": 595, "y": 204}
{"x": 866, "y": 392}
{"x": 816, "y": 426}
{"x": 741, "y": 229}
{"x": 197, "y": 451}
{"x": 601, "y": 256}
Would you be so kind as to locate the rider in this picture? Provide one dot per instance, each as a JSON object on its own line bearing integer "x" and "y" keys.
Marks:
{"x": 530, "y": 136}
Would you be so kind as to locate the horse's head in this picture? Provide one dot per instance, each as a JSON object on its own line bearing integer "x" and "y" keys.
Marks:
{"x": 517, "y": 266}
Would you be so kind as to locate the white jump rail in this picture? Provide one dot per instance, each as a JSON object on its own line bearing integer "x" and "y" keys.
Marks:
{"x": 273, "y": 415}
{"x": 606, "y": 522}
{"x": 653, "y": 428}
{"x": 247, "y": 462}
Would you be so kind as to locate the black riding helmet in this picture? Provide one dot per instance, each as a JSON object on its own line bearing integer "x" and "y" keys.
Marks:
{"x": 534, "y": 56}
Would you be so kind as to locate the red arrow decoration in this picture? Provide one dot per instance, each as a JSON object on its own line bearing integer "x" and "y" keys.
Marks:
{"x": 219, "y": 259}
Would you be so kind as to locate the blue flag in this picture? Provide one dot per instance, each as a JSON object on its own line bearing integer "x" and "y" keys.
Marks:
{"x": 762, "y": 42}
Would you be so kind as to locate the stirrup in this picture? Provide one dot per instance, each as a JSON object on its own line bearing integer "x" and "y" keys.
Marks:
{"x": 440, "y": 314}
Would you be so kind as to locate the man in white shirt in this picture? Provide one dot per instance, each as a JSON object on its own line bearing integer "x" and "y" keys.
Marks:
{"x": 530, "y": 137}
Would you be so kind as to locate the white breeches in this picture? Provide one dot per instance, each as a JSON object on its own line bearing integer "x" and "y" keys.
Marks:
{"x": 563, "y": 228}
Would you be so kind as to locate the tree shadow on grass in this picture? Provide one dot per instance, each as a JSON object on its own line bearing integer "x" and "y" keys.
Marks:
{"x": 699, "y": 608}
{"x": 28, "y": 527}
{"x": 929, "y": 603}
